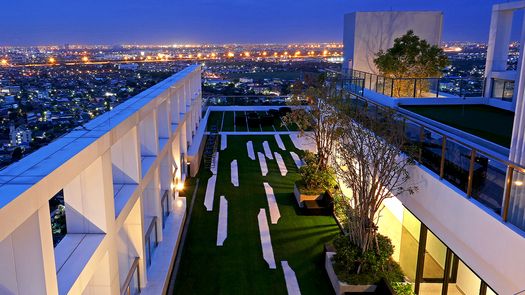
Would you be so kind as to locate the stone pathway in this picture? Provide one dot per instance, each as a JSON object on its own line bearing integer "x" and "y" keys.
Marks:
{"x": 297, "y": 160}
{"x": 210, "y": 192}
{"x": 266, "y": 240}
{"x": 224, "y": 141}
{"x": 272, "y": 204}
{"x": 280, "y": 142}
{"x": 262, "y": 163}
{"x": 222, "y": 228}
{"x": 234, "y": 173}
{"x": 267, "y": 150}
{"x": 215, "y": 163}
{"x": 281, "y": 164}
{"x": 251, "y": 153}
{"x": 292, "y": 286}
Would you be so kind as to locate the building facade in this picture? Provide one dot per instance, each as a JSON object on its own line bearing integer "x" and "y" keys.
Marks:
{"x": 121, "y": 178}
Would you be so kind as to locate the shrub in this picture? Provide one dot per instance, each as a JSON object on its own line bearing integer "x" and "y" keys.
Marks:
{"x": 402, "y": 288}
{"x": 314, "y": 178}
{"x": 375, "y": 264}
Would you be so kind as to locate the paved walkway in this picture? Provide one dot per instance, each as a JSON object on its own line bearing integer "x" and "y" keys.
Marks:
{"x": 272, "y": 204}
{"x": 292, "y": 286}
{"x": 281, "y": 164}
{"x": 222, "y": 227}
{"x": 210, "y": 192}
{"x": 266, "y": 240}
{"x": 234, "y": 173}
{"x": 280, "y": 142}
{"x": 262, "y": 163}
{"x": 296, "y": 159}
{"x": 267, "y": 150}
{"x": 224, "y": 142}
{"x": 249, "y": 147}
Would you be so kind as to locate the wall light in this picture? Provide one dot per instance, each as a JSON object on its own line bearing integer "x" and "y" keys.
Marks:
{"x": 518, "y": 182}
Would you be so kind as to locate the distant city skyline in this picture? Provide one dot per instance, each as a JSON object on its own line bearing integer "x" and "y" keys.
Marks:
{"x": 58, "y": 22}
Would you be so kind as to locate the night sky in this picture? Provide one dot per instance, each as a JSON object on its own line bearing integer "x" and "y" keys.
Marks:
{"x": 34, "y": 22}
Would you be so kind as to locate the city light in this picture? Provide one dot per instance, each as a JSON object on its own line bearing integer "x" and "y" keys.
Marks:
{"x": 85, "y": 59}
{"x": 231, "y": 54}
{"x": 52, "y": 60}
{"x": 3, "y": 62}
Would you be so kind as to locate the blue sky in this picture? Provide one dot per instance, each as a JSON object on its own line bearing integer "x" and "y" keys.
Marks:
{"x": 32, "y": 22}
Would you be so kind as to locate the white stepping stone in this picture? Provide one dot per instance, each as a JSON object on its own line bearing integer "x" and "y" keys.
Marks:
{"x": 262, "y": 163}
{"x": 298, "y": 162}
{"x": 222, "y": 228}
{"x": 266, "y": 240}
{"x": 272, "y": 204}
{"x": 267, "y": 150}
{"x": 234, "y": 173}
{"x": 292, "y": 285}
{"x": 224, "y": 142}
{"x": 251, "y": 153}
{"x": 281, "y": 164}
{"x": 280, "y": 142}
{"x": 304, "y": 142}
{"x": 215, "y": 163}
{"x": 210, "y": 192}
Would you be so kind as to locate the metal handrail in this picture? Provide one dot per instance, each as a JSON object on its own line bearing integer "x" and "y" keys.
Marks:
{"x": 511, "y": 167}
{"x": 384, "y": 79}
{"x": 134, "y": 267}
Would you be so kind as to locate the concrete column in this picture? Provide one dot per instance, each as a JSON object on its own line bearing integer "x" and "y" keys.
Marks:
{"x": 498, "y": 45}
{"x": 149, "y": 143}
{"x": 175, "y": 106}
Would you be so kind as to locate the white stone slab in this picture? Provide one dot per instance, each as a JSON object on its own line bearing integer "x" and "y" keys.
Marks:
{"x": 292, "y": 285}
{"x": 210, "y": 192}
{"x": 215, "y": 163}
{"x": 234, "y": 173}
{"x": 280, "y": 142}
{"x": 262, "y": 163}
{"x": 272, "y": 204}
{"x": 266, "y": 240}
{"x": 222, "y": 227}
{"x": 304, "y": 142}
{"x": 281, "y": 164}
{"x": 251, "y": 153}
{"x": 298, "y": 162}
{"x": 224, "y": 141}
{"x": 267, "y": 150}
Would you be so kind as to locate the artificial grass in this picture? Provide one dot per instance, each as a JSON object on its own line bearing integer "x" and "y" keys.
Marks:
{"x": 215, "y": 118}
{"x": 487, "y": 122}
{"x": 228, "y": 122}
{"x": 238, "y": 267}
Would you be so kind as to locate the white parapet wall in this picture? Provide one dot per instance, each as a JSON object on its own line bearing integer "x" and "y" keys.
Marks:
{"x": 119, "y": 175}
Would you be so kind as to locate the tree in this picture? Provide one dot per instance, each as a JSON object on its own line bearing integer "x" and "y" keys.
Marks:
{"x": 318, "y": 119}
{"x": 411, "y": 57}
{"x": 16, "y": 155}
{"x": 370, "y": 163}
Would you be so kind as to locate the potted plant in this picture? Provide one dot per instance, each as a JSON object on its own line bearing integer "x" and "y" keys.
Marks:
{"x": 315, "y": 180}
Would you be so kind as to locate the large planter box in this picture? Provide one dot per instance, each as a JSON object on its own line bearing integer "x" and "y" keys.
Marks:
{"x": 300, "y": 198}
{"x": 341, "y": 287}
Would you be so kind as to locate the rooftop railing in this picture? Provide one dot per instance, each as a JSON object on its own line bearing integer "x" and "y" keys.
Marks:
{"x": 494, "y": 182}
{"x": 421, "y": 87}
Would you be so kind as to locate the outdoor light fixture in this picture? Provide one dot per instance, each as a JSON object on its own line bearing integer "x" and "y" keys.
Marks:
{"x": 518, "y": 182}
{"x": 180, "y": 186}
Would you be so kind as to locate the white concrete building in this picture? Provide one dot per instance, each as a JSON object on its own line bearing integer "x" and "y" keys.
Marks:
{"x": 123, "y": 213}
{"x": 366, "y": 33}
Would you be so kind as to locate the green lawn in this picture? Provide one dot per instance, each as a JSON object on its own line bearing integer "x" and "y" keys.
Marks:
{"x": 487, "y": 122}
{"x": 228, "y": 122}
{"x": 225, "y": 123}
{"x": 238, "y": 267}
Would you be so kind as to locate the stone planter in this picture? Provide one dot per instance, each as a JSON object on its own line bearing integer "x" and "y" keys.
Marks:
{"x": 303, "y": 197}
{"x": 341, "y": 287}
